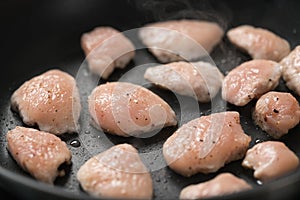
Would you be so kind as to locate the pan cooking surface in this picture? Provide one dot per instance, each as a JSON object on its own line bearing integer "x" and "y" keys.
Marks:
{"x": 89, "y": 141}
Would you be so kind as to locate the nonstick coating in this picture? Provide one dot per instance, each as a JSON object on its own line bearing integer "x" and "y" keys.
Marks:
{"x": 42, "y": 35}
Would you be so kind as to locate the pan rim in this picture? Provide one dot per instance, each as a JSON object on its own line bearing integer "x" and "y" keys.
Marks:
{"x": 5, "y": 174}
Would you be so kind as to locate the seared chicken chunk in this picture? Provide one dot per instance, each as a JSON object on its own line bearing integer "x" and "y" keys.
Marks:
{"x": 276, "y": 113}
{"x": 291, "y": 70}
{"x": 206, "y": 144}
{"x": 176, "y": 40}
{"x": 116, "y": 173}
{"x": 126, "y": 109}
{"x": 200, "y": 80}
{"x": 259, "y": 43}
{"x": 51, "y": 101}
{"x": 39, "y": 153}
{"x": 250, "y": 80}
{"x": 270, "y": 160}
{"x": 106, "y": 49}
{"x": 222, "y": 184}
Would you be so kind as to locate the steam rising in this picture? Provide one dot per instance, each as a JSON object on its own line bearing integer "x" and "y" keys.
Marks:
{"x": 160, "y": 10}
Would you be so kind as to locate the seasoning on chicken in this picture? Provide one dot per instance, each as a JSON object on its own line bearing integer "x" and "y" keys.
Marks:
{"x": 51, "y": 101}
{"x": 116, "y": 173}
{"x": 270, "y": 160}
{"x": 250, "y": 80}
{"x": 206, "y": 144}
{"x": 200, "y": 80}
{"x": 222, "y": 184}
{"x": 106, "y": 49}
{"x": 176, "y": 40}
{"x": 276, "y": 113}
{"x": 291, "y": 70}
{"x": 38, "y": 153}
{"x": 259, "y": 43}
{"x": 126, "y": 109}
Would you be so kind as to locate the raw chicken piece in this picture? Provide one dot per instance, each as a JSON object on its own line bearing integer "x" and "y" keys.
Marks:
{"x": 176, "y": 40}
{"x": 200, "y": 80}
{"x": 222, "y": 184}
{"x": 51, "y": 101}
{"x": 206, "y": 144}
{"x": 270, "y": 160}
{"x": 116, "y": 173}
{"x": 250, "y": 80}
{"x": 276, "y": 113}
{"x": 291, "y": 70}
{"x": 106, "y": 49}
{"x": 259, "y": 43}
{"x": 127, "y": 109}
{"x": 39, "y": 153}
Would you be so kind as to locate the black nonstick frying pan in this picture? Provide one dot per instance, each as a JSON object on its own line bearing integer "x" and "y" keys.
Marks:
{"x": 41, "y": 35}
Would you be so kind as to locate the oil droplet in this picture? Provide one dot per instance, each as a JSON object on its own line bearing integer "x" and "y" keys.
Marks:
{"x": 87, "y": 132}
{"x": 258, "y": 141}
{"x": 259, "y": 182}
{"x": 75, "y": 143}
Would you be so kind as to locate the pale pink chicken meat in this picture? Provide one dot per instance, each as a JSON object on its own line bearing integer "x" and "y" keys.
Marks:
{"x": 291, "y": 70}
{"x": 38, "y": 153}
{"x": 116, "y": 173}
{"x": 176, "y": 40}
{"x": 51, "y": 101}
{"x": 223, "y": 184}
{"x": 259, "y": 43}
{"x": 277, "y": 113}
{"x": 200, "y": 80}
{"x": 270, "y": 160}
{"x": 250, "y": 80}
{"x": 206, "y": 144}
{"x": 126, "y": 109}
{"x": 106, "y": 49}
